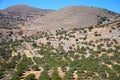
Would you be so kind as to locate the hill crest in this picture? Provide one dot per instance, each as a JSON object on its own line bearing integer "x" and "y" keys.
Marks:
{"x": 73, "y": 17}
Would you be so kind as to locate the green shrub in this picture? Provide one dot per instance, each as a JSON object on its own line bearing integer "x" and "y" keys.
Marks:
{"x": 30, "y": 77}
{"x": 116, "y": 68}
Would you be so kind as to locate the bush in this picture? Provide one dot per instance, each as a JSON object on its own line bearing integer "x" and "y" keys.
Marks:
{"x": 90, "y": 28}
{"x": 35, "y": 67}
{"x": 30, "y": 77}
{"x": 1, "y": 72}
{"x": 15, "y": 77}
{"x": 68, "y": 75}
{"x": 44, "y": 76}
{"x": 116, "y": 68}
{"x": 112, "y": 75}
{"x": 55, "y": 75}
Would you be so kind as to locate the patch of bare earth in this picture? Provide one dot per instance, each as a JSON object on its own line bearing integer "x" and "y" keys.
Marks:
{"x": 37, "y": 74}
{"x": 27, "y": 53}
{"x": 14, "y": 53}
{"x": 75, "y": 76}
{"x": 60, "y": 72}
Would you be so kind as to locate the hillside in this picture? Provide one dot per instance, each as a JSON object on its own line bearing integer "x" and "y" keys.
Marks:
{"x": 72, "y": 43}
{"x": 25, "y": 10}
{"x": 13, "y": 16}
{"x": 72, "y": 17}
{"x": 78, "y": 54}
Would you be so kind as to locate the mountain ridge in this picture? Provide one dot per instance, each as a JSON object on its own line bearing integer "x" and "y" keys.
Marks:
{"x": 21, "y": 8}
{"x": 72, "y": 17}
{"x": 19, "y": 14}
{"x": 44, "y": 19}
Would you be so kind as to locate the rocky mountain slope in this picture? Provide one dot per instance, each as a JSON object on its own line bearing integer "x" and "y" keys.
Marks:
{"x": 19, "y": 14}
{"x": 24, "y": 9}
{"x": 72, "y": 17}
{"x": 27, "y": 20}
